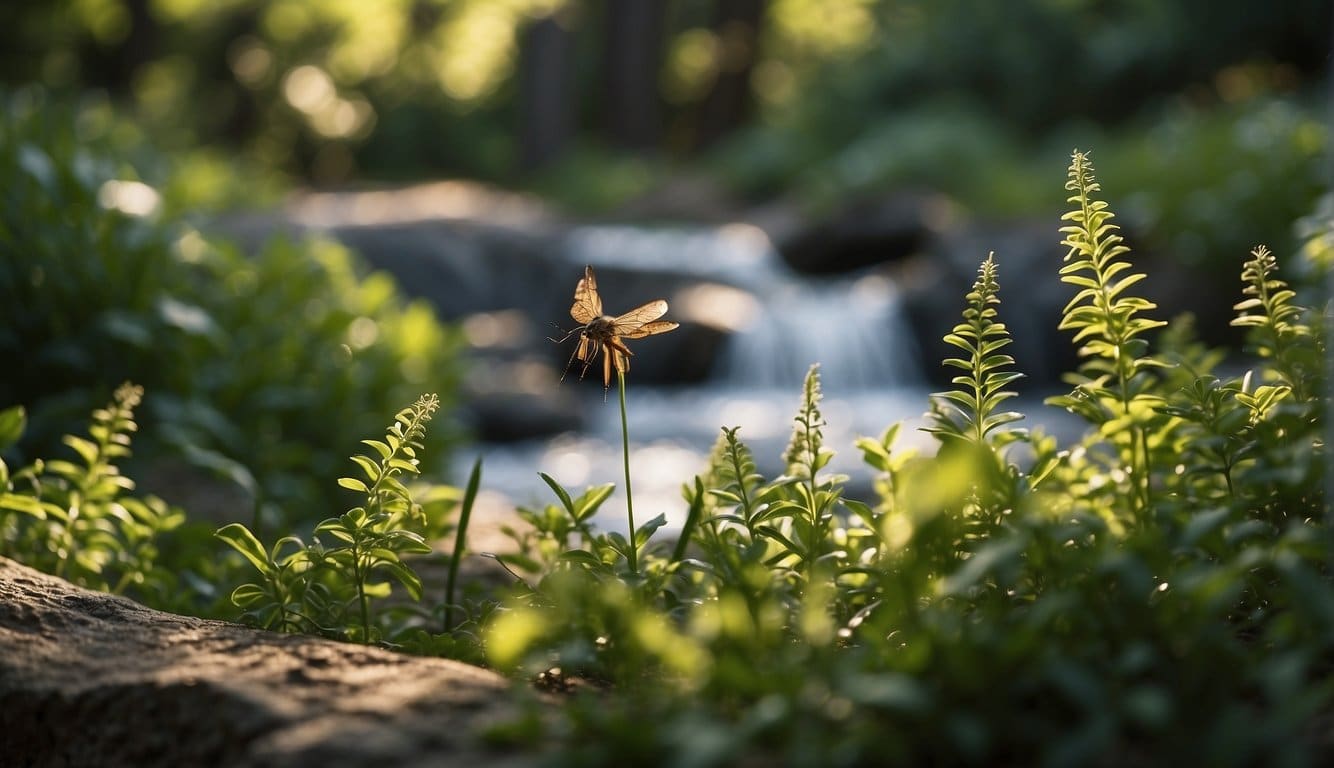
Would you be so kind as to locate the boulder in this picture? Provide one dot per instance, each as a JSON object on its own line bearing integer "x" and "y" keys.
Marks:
{"x": 866, "y": 233}
{"x": 1028, "y": 259}
{"x": 98, "y": 680}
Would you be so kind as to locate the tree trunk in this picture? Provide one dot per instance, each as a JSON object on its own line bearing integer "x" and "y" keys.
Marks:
{"x": 730, "y": 102}
{"x": 632, "y": 110}
{"x": 546, "y": 108}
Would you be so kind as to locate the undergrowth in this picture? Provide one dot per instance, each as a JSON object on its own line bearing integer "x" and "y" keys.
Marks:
{"x": 1153, "y": 591}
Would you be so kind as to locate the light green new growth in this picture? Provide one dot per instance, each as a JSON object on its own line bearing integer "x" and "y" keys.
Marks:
{"x": 972, "y": 413}
{"x": 805, "y": 457}
{"x": 373, "y": 536}
{"x": 1276, "y": 319}
{"x": 312, "y": 587}
{"x": 1113, "y": 388}
{"x": 76, "y": 519}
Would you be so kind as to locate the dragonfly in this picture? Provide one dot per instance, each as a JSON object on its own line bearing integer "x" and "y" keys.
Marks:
{"x": 607, "y": 334}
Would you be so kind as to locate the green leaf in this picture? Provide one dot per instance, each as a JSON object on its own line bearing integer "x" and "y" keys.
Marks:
{"x": 581, "y": 556}
{"x": 242, "y": 540}
{"x": 13, "y": 422}
{"x": 28, "y": 505}
{"x": 339, "y": 528}
{"x": 248, "y": 594}
{"x": 646, "y": 530}
{"x": 370, "y": 468}
{"x": 777, "y": 535}
{"x": 353, "y": 484}
{"x": 384, "y": 450}
{"x": 405, "y": 576}
{"x": 560, "y": 492}
{"x": 86, "y": 449}
{"x": 587, "y": 504}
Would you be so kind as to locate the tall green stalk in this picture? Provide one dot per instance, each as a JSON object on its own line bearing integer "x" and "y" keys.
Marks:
{"x": 460, "y": 539}
{"x": 632, "y": 555}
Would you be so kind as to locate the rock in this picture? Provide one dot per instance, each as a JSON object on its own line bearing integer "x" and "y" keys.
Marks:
{"x": 864, "y": 234}
{"x": 507, "y": 416}
{"x": 99, "y": 680}
{"x": 1028, "y": 259}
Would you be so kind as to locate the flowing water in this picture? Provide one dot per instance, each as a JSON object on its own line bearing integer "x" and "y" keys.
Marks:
{"x": 852, "y": 326}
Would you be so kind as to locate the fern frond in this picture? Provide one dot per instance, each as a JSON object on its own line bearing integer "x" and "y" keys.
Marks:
{"x": 371, "y": 538}
{"x": 1102, "y": 314}
{"x": 1278, "y": 335}
{"x": 1114, "y": 388}
{"x": 806, "y": 454}
{"x": 738, "y": 480}
{"x": 972, "y": 413}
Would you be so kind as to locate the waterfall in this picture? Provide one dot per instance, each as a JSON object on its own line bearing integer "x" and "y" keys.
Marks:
{"x": 853, "y": 326}
{"x": 777, "y": 322}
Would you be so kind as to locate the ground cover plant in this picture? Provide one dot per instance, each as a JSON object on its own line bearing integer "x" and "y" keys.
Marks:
{"x": 1155, "y": 591}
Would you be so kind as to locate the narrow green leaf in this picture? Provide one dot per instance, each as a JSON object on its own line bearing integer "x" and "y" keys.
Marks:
{"x": 353, "y": 484}
{"x": 248, "y": 594}
{"x": 405, "y": 576}
{"x": 28, "y": 505}
{"x": 646, "y": 530}
{"x": 13, "y": 422}
{"x": 242, "y": 540}
{"x": 384, "y": 450}
{"x": 560, "y": 492}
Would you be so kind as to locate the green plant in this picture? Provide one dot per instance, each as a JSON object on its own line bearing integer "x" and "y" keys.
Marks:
{"x": 97, "y": 286}
{"x": 1114, "y": 385}
{"x": 1137, "y": 594}
{"x": 329, "y": 588}
{"x": 76, "y": 519}
{"x": 1154, "y": 590}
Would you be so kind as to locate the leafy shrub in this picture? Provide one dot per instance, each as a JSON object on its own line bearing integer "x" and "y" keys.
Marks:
{"x": 1154, "y": 592}
{"x": 260, "y": 365}
{"x": 329, "y": 587}
{"x": 76, "y": 519}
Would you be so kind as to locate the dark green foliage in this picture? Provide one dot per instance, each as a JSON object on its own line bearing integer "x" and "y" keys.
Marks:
{"x": 259, "y": 365}
{"x": 1156, "y": 591}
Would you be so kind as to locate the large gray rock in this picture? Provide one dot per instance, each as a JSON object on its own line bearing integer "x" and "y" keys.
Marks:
{"x": 97, "y": 680}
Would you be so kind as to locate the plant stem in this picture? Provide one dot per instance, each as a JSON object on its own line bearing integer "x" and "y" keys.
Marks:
{"x": 360, "y": 576}
{"x": 629, "y": 496}
{"x": 465, "y": 513}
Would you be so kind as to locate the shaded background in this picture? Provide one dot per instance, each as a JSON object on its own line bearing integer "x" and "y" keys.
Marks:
{"x": 775, "y": 97}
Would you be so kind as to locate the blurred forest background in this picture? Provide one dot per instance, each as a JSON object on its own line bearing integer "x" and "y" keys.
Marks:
{"x": 591, "y": 102}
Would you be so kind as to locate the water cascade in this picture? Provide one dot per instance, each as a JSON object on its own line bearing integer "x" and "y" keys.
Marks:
{"x": 853, "y": 326}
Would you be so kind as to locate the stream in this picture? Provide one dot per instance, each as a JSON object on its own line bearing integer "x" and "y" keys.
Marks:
{"x": 780, "y": 324}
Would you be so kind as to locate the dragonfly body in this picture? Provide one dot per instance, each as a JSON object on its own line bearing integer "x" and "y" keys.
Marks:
{"x": 606, "y": 333}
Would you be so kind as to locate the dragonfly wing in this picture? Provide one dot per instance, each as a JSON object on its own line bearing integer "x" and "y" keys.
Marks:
{"x": 627, "y": 324}
{"x": 587, "y": 303}
{"x": 650, "y": 329}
